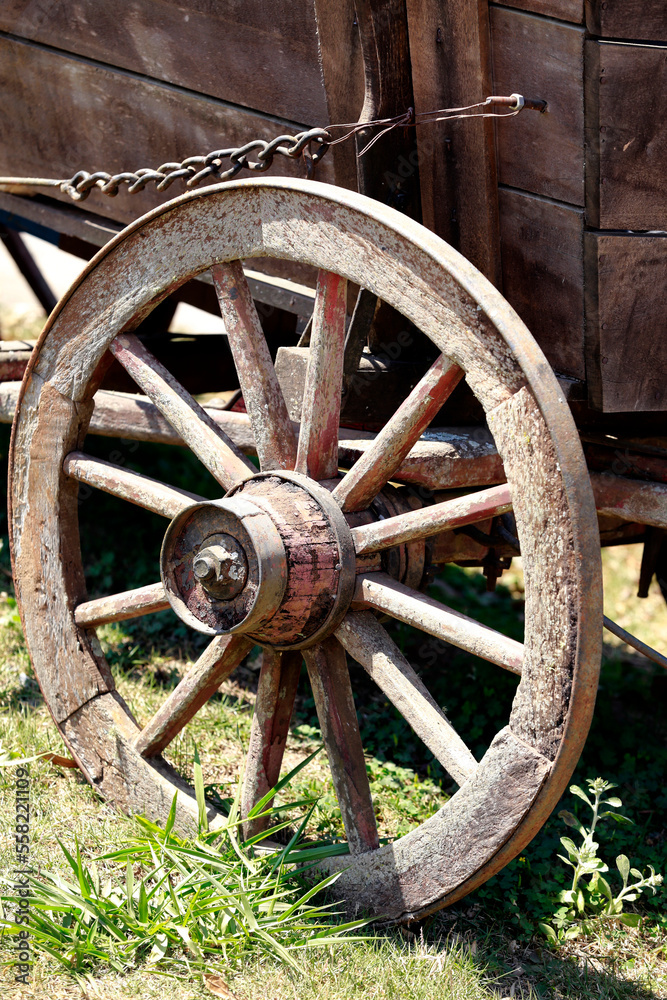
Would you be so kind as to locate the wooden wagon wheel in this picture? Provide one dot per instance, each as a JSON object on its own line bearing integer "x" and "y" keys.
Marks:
{"x": 274, "y": 562}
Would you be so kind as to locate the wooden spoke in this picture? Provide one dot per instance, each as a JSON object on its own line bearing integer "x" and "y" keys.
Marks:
{"x": 262, "y": 395}
{"x": 276, "y": 691}
{"x": 428, "y": 521}
{"x": 129, "y": 604}
{"x": 203, "y": 679}
{"x": 379, "y": 591}
{"x": 140, "y": 490}
{"x": 226, "y": 463}
{"x": 382, "y": 459}
{"x": 317, "y": 454}
{"x": 332, "y": 691}
{"x": 365, "y": 640}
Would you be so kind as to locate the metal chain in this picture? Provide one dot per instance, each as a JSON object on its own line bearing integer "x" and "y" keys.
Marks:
{"x": 195, "y": 169}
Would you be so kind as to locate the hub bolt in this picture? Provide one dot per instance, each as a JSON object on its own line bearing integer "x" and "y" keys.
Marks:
{"x": 221, "y": 567}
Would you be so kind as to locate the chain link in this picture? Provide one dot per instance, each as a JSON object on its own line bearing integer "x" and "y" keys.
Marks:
{"x": 196, "y": 169}
{"x": 312, "y": 145}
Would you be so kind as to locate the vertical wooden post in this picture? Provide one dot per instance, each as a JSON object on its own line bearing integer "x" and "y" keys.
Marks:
{"x": 377, "y": 32}
{"x": 342, "y": 70}
{"x": 451, "y": 67}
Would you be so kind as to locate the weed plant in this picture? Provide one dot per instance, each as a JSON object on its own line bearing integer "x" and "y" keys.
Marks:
{"x": 188, "y": 905}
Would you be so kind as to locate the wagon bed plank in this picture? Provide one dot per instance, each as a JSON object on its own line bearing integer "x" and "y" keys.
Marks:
{"x": 270, "y": 48}
{"x": 626, "y": 111}
{"x": 625, "y": 329}
{"x": 637, "y": 19}
{"x": 540, "y": 58}
{"x": 543, "y": 274}
{"x": 114, "y": 120}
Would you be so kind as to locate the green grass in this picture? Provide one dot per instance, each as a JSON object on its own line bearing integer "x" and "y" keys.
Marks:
{"x": 488, "y": 946}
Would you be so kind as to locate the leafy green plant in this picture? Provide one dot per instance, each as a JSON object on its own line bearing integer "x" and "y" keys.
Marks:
{"x": 185, "y": 904}
{"x": 590, "y": 898}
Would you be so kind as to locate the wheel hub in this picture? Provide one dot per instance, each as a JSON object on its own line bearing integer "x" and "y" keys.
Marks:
{"x": 273, "y": 559}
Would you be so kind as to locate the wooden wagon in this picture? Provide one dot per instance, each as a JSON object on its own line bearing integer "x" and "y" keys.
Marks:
{"x": 407, "y": 397}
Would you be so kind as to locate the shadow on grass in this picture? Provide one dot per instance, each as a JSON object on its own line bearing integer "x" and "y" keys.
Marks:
{"x": 511, "y": 969}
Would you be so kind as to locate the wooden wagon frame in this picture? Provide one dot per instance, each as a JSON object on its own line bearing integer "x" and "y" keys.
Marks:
{"x": 391, "y": 393}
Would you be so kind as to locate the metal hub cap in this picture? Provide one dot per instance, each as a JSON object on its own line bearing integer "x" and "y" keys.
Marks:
{"x": 274, "y": 559}
{"x": 221, "y": 567}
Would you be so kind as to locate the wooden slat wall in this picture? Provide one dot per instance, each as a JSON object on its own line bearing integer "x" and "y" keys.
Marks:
{"x": 261, "y": 54}
{"x": 644, "y": 20}
{"x": 90, "y": 116}
{"x": 542, "y": 257}
{"x": 626, "y": 321}
{"x": 594, "y": 166}
{"x": 343, "y": 76}
{"x": 563, "y": 10}
{"x": 626, "y": 127}
{"x": 536, "y": 57}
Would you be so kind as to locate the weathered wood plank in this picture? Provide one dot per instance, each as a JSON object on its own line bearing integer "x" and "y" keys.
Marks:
{"x": 543, "y": 59}
{"x": 444, "y": 458}
{"x": 637, "y": 19}
{"x": 626, "y": 134}
{"x": 631, "y": 499}
{"x": 543, "y": 275}
{"x": 342, "y": 70}
{"x": 388, "y": 91}
{"x": 451, "y": 67}
{"x": 109, "y": 120}
{"x": 260, "y": 53}
{"x": 562, "y": 10}
{"x": 128, "y": 485}
{"x": 626, "y": 305}
{"x": 334, "y": 701}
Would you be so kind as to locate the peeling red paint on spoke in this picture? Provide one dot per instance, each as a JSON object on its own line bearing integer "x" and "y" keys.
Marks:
{"x": 226, "y": 463}
{"x": 274, "y": 436}
{"x": 332, "y": 691}
{"x": 382, "y": 459}
{"x": 317, "y": 454}
{"x": 276, "y": 691}
{"x": 428, "y": 521}
{"x": 127, "y": 485}
{"x": 118, "y": 607}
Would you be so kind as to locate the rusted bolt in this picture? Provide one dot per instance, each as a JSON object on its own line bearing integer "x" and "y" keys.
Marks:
{"x": 221, "y": 567}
